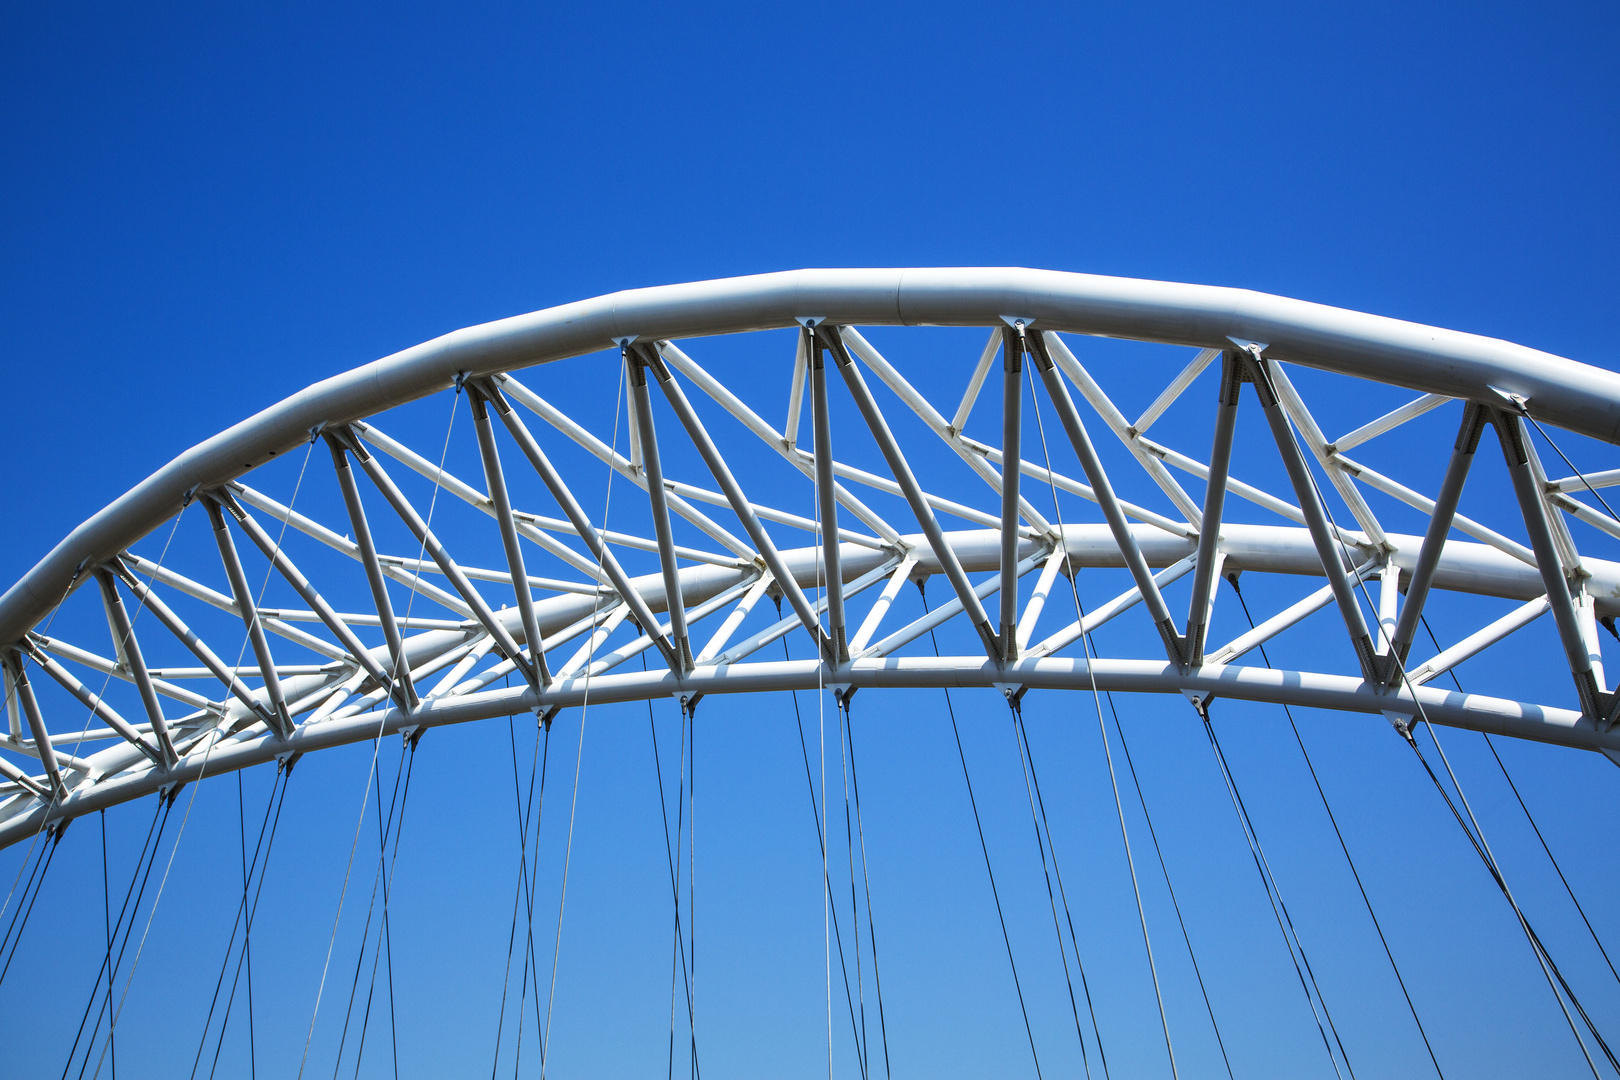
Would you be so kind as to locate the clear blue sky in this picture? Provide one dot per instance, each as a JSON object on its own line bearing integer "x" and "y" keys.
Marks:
{"x": 208, "y": 208}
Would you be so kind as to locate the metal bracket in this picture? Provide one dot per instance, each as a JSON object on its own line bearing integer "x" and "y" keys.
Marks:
{"x": 688, "y": 701}
{"x": 1402, "y": 722}
{"x": 1013, "y": 692}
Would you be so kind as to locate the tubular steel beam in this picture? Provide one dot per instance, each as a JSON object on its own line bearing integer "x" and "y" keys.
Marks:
{"x": 1310, "y": 503}
{"x": 509, "y": 537}
{"x": 1012, "y": 399}
{"x": 165, "y": 615}
{"x": 36, "y": 722}
{"x": 130, "y": 649}
{"x": 919, "y": 505}
{"x": 739, "y": 502}
{"x": 248, "y": 609}
{"x": 23, "y": 780}
{"x": 424, "y": 535}
{"x": 674, "y": 602}
{"x": 1434, "y": 541}
{"x": 374, "y": 571}
{"x": 826, "y": 489}
{"x": 301, "y": 585}
{"x": 90, "y": 700}
{"x": 1128, "y": 547}
{"x": 1220, "y": 464}
{"x": 580, "y": 520}
{"x": 1510, "y": 432}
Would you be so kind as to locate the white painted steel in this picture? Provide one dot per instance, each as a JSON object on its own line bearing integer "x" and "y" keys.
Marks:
{"x": 337, "y": 701}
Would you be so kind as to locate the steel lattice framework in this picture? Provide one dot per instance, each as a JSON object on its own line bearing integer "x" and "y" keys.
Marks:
{"x": 555, "y": 640}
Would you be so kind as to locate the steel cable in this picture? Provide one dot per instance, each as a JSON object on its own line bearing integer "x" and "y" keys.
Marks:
{"x": 1491, "y": 743}
{"x": 252, "y": 912}
{"x": 985, "y": 848}
{"x": 1333, "y": 820}
{"x": 1548, "y": 967}
{"x": 1108, "y": 754}
{"x": 1020, "y": 740}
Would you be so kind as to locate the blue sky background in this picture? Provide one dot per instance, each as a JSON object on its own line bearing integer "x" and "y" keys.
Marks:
{"x": 207, "y": 209}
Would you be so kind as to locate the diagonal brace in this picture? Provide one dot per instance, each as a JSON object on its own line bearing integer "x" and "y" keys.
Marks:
{"x": 130, "y": 650}
{"x": 301, "y": 585}
{"x": 249, "y": 610}
{"x": 577, "y": 517}
{"x": 1107, "y": 500}
{"x": 165, "y": 615}
{"x": 734, "y": 495}
{"x": 1209, "y": 532}
{"x": 918, "y": 502}
{"x": 496, "y": 479}
{"x": 1315, "y": 514}
{"x": 424, "y": 535}
{"x": 1601, "y": 707}
{"x": 374, "y": 571}
{"x": 1434, "y": 540}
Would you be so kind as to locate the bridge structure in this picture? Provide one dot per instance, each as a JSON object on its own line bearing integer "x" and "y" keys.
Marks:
{"x": 403, "y": 584}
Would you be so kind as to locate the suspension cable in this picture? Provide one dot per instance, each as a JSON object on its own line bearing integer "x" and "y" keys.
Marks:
{"x": 579, "y": 759}
{"x": 854, "y": 912}
{"x": 106, "y": 918}
{"x": 379, "y": 882}
{"x": 866, "y": 879}
{"x": 1476, "y": 835}
{"x": 1351, "y": 862}
{"x": 56, "y": 831}
{"x": 810, "y": 785}
{"x": 118, "y": 926}
{"x": 985, "y": 848}
{"x": 1063, "y": 895}
{"x": 253, "y": 909}
{"x": 1491, "y": 743}
{"x": 1020, "y": 740}
{"x": 525, "y": 884}
{"x": 678, "y": 949}
{"x": 1279, "y": 907}
{"x": 241, "y": 910}
{"x": 1108, "y": 754}
{"x": 107, "y": 1011}
{"x": 1164, "y": 869}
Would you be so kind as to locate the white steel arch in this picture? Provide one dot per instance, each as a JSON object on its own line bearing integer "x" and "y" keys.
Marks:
{"x": 366, "y": 665}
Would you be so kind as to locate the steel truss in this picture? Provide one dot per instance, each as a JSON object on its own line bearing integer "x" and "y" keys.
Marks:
{"x": 497, "y": 641}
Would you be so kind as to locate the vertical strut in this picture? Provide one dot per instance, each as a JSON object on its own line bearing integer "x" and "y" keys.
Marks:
{"x": 1310, "y": 504}
{"x": 653, "y": 467}
{"x": 250, "y": 615}
{"x": 1209, "y": 533}
{"x": 398, "y": 667}
{"x": 1012, "y": 398}
{"x": 827, "y": 494}
{"x": 130, "y": 650}
{"x": 509, "y": 537}
{"x": 1089, "y": 462}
